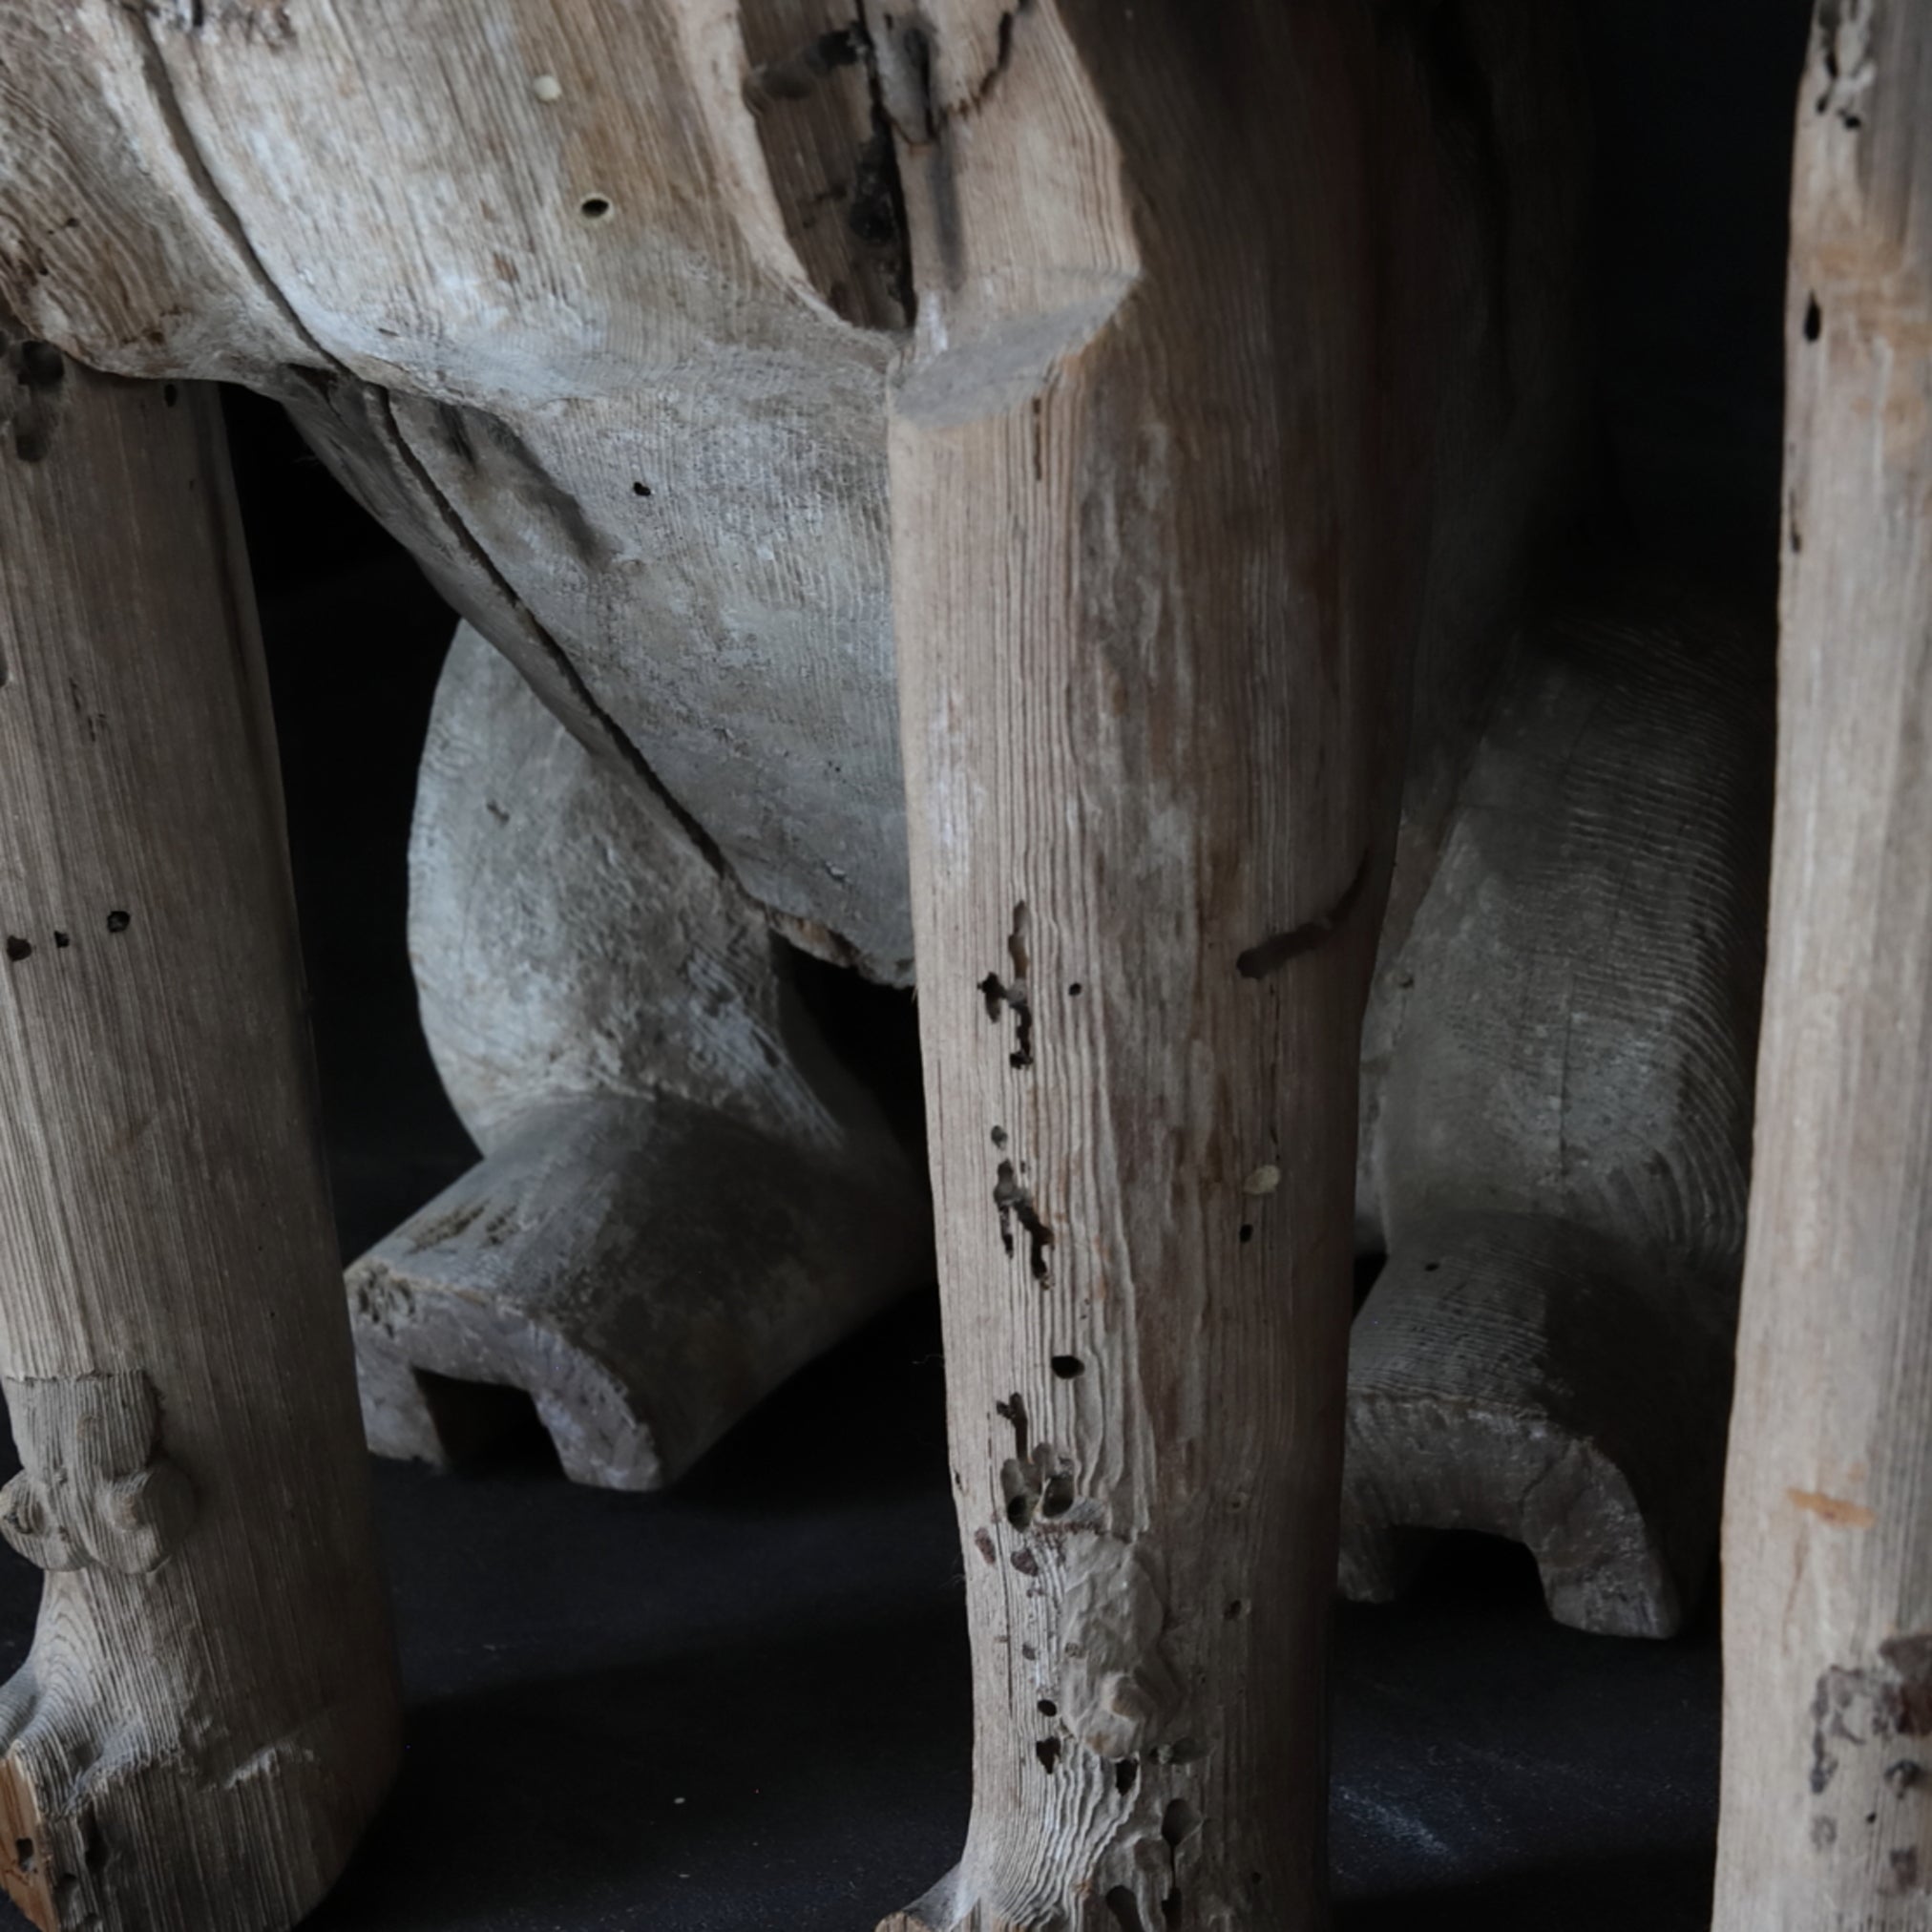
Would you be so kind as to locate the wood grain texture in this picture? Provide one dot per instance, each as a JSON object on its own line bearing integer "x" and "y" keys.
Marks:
{"x": 1827, "y": 1807}
{"x": 1561, "y": 1056}
{"x": 617, "y": 377}
{"x": 568, "y": 939}
{"x": 1159, "y": 471}
{"x": 1501, "y": 80}
{"x": 685, "y": 1197}
{"x": 209, "y": 1711}
{"x": 624, "y": 284}
{"x": 1509, "y": 111}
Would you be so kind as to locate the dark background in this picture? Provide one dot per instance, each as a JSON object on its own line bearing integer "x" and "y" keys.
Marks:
{"x": 743, "y": 1705}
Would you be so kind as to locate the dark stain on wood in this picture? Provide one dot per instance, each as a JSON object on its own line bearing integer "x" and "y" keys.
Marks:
{"x": 1274, "y": 954}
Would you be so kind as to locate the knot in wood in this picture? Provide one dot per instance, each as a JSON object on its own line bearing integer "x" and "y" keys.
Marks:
{"x": 96, "y": 1491}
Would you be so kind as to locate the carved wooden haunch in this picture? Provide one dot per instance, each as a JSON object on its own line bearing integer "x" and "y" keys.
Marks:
{"x": 1826, "y": 1823}
{"x": 684, "y": 1197}
{"x": 97, "y": 1489}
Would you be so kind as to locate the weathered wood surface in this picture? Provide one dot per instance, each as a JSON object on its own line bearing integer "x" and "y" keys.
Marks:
{"x": 613, "y": 353}
{"x": 619, "y": 381}
{"x": 1557, "y": 1112}
{"x": 619, "y": 378}
{"x": 685, "y": 1198}
{"x": 578, "y": 357}
{"x": 1827, "y": 1808}
{"x": 209, "y": 1711}
{"x": 1161, "y": 473}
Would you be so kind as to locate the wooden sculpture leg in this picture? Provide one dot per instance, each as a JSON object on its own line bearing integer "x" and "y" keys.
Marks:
{"x": 208, "y": 1714}
{"x": 1136, "y": 544}
{"x": 682, "y": 1199}
{"x": 1827, "y": 1815}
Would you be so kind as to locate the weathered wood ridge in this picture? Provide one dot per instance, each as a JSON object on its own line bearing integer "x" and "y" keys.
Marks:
{"x": 209, "y": 1712}
{"x": 1827, "y": 1812}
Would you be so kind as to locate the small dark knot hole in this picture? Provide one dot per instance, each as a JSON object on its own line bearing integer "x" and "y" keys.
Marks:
{"x": 42, "y": 366}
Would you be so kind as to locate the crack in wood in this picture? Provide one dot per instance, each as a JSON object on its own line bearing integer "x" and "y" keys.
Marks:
{"x": 976, "y": 98}
{"x": 1274, "y": 954}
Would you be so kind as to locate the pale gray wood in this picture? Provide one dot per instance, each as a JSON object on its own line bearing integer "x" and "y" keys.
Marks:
{"x": 499, "y": 375}
{"x": 1827, "y": 1805}
{"x": 613, "y": 353}
{"x": 1161, "y": 466}
{"x": 646, "y": 1269}
{"x": 209, "y": 1711}
{"x": 497, "y": 932}
{"x": 643, "y": 450}
{"x": 685, "y": 1198}
{"x": 577, "y": 356}
{"x": 1557, "y": 1118}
